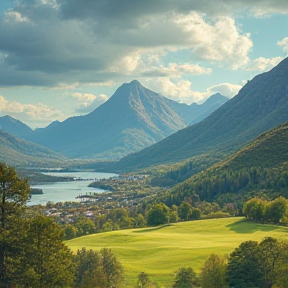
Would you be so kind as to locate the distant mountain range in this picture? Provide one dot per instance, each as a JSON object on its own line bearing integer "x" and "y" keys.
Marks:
{"x": 15, "y": 127}
{"x": 18, "y": 152}
{"x": 132, "y": 119}
{"x": 259, "y": 106}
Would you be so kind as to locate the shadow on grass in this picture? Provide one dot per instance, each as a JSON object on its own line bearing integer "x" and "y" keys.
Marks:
{"x": 246, "y": 226}
{"x": 152, "y": 229}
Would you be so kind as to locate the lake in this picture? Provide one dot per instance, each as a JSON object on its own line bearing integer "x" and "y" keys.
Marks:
{"x": 67, "y": 191}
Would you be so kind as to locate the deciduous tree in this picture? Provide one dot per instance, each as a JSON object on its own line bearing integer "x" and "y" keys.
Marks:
{"x": 213, "y": 274}
{"x": 186, "y": 278}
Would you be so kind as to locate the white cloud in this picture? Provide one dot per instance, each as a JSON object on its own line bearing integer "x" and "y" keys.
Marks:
{"x": 226, "y": 89}
{"x": 174, "y": 70}
{"x": 84, "y": 97}
{"x": 181, "y": 90}
{"x": 37, "y": 115}
{"x": 263, "y": 64}
{"x": 91, "y": 102}
{"x": 15, "y": 16}
{"x": 283, "y": 44}
{"x": 54, "y": 50}
{"x": 221, "y": 41}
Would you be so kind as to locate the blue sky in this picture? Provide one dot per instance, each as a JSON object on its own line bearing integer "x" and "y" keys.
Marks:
{"x": 60, "y": 58}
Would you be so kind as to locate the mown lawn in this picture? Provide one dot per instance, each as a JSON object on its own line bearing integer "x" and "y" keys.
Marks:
{"x": 161, "y": 251}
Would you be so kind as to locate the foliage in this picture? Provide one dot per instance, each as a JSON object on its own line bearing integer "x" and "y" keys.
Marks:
{"x": 85, "y": 226}
{"x": 97, "y": 269}
{"x": 184, "y": 210}
{"x": 186, "y": 278}
{"x": 48, "y": 260}
{"x": 213, "y": 273}
{"x": 158, "y": 214}
{"x": 255, "y": 209}
{"x": 258, "y": 265}
{"x": 143, "y": 280}
{"x": 276, "y": 210}
{"x": 261, "y": 166}
{"x": 243, "y": 269}
{"x": 14, "y": 193}
{"x": 260, "y": 210}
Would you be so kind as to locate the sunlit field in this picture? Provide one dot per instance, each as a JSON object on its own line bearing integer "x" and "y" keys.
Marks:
{"x": 161, "y": 251}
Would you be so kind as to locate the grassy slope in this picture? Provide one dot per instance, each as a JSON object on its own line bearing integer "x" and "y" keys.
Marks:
{"x": 161, "y": 251}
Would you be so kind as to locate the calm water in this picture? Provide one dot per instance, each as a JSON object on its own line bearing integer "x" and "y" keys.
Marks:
{"x": 68, "y": 191}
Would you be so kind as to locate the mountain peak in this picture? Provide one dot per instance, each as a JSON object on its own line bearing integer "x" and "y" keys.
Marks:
{"x": 135, "y": 82}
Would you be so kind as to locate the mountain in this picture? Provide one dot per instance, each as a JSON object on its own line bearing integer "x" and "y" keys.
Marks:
{"x": 200, "y": 112}
{"x": 133, "y": 118}
{"x": 260, "y": 167}
{"x": 259, "y": 106}
{"x": 194, "y": 113}
{"x": 15, "y": 127}
{"x": 18, "y": 152}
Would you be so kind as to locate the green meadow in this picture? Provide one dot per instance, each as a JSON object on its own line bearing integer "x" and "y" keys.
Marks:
{"x": 160, "y": 251}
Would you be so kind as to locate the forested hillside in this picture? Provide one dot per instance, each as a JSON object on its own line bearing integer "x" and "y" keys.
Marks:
{"x": 259, "y": 168}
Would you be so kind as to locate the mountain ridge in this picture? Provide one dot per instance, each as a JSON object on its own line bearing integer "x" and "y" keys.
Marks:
{"x": 133, "y": 118}
{"x": 259, "y": 106}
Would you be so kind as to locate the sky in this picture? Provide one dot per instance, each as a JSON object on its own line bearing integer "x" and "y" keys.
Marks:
{"x": 61, "y": 58}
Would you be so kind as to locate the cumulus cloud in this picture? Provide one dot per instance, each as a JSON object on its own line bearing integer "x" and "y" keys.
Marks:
{"x": 176, "y": 70}
{"x": 91, "y": 102}
{"x": 47, "y": 43}
{"x": 283, "y": 44}
{"x": 181, "y": 90}
{"x": 226, "y": 89}
{"x": 39, "y": 115}
{"x": 263, "y": 64}
{"x": 84, "y": 97}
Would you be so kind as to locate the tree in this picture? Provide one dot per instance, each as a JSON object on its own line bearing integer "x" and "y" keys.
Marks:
{"x": 70, "y": 232}
{"x": 195, "y": 214}
{"x": 85, "y": 226}
{"x": 270, "y": 252}
{"x": 47, "y": 260}
{"x": 184, "y": 210}
{"x": 89, "y": 269}
{"x": 158, "y": 214}
{"x": 186, "y": 278}
{"x": 243, "y": 269}
{"x": 14, "y": 193}
{"x": 255, "y": 209}
{"x": 213, "y": 274}
{"x": 143, "y": 280}
{"x": 113, "y": 269}
{"x": 281, "y": 266}
{"x": 276, "y": 210}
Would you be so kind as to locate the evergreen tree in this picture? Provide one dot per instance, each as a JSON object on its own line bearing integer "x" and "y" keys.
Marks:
{"x": 14, "y": 193}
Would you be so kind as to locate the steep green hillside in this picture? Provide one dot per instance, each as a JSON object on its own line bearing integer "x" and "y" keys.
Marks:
{"x": 260, "y": 167}
{"x": 259, "y": 106}
{"x": 161, "y": 251}
{"x": 18, "y": 152}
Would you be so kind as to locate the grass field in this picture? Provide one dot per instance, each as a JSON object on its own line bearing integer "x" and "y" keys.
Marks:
{"x": 161, "y": 251}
